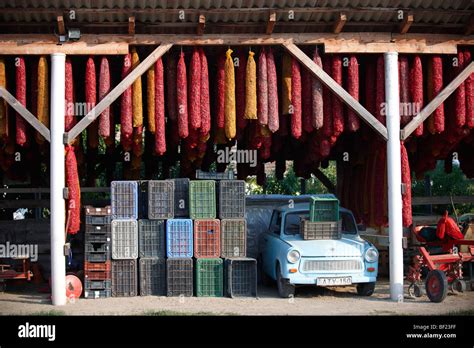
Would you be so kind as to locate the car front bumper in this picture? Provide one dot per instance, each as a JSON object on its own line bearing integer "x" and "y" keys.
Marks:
{"x": 308, "y": 279}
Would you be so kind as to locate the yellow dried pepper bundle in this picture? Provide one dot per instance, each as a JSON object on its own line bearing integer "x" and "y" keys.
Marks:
{"x": 229, "y": 105}
{"x": 3, "y": 104}
{"x": 251, "y": 89}
{"x": 137, "y": 106}
{"x": 43, "y": 96}
{"x": 286, "y": 88}
{"x": 150, "y": 94}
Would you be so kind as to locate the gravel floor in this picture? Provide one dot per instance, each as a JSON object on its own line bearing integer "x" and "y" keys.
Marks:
{"x": 308, "y": 301}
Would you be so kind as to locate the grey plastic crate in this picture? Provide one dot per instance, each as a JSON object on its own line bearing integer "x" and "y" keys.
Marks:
{"x": 98, "y": 237}
{"x": 160, "y": 199}
{"x": 97, "y": 284}
{"x": 320, "y": 230}
{"x": 181, "y": 197}
{"x": 124, "y": 239}
{"x": 124, "y": 278}
{"x": 179, "y": 277}
{"x": 153, "y": 276}
{"x": 231, "y": 199}
{"x": 95, "y": 294}
{"x": 241, "y": 277}
{"x": 151, "y": 238}
{"x": 98, "y": 220}
{"x": 233, "y": 238}
{"x": 226, "y": 175}
{"x": 124, "y": 196}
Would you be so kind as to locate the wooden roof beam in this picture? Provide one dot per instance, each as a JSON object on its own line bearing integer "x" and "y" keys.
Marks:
{"x": 61, "y": 26}
{"x": 407, "y": 21}
{"x": 201, "y": 25}
{"x": 271, "y": 23}
{"x": 337, "y": 89}
{"x": 117, "y": 91}
{"x": 437, "y": 101}
{"x": 131, "y": 25}
{"x": 341, "y": 21}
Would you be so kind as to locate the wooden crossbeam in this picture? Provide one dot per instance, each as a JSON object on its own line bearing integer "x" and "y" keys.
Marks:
{"x": 408, "y": 19}
{"x": 25, "y": 113}
{"x": 337, "y": 89}
{"x": 271, "y": 23}
{"x": 324, "y": 180}
{"x": 437, "y": 101}
{"x": 131, "y": 25}
{"x": 117, "y": 91}
{"x": 340, "y": 22}
{"x": 201, "y": 25}
{"x": 61, "y": 26}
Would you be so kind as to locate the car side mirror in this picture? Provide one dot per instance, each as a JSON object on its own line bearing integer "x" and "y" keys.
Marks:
{"x": 361, "y": 227}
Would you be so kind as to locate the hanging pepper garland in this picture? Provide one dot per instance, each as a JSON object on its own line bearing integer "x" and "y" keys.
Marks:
{"x": 317, "y": 95}
{"x": 21, "y": 139}
{"x": 251, "y": 88}
{"x": 230, "y": 126}
{"x": 435, "y": 85}
{"x": 182, "y": 97}
{"x": 338, "y": 111}
{"x": 273, "y": 117}
{"x": 104, "y": 89}
{"x": 460, "y": 95}
{"x": 137, "y": 93}
{"x": 43, "y": 97}
{"x": 406, "y": 180}
{"x": 295, "y": 107}
{"x": 195, "y": 91}
{"x": 3, "y": 105}
{"x": 74, "y": 192}
{"x": 262, "y": 98}
{"x": 126, "y": 117}
{"x": 205, "y": 101}
{"x": 353, "y": 122}
{"x": 159, "y": 108}
{"x": 416, "y": 90}
{"x": 306, "y": 100}
{"x": 91, "y": 100}
{"x": 150, "y": 96}
{"x": 69, "y": 120}
{"x": 286, "y": 87}
{"x": 469, "y": 93}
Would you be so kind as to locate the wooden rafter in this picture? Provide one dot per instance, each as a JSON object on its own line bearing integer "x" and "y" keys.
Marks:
{"x": 437, "y": 101}
{"x": 117, "y": 91}
{"x": 61, "y": 26}
{"x": 334, "y": 43}
{"x": 408, "y": 19}
{"x": 340, "y": 22}
{"x": 271, "y": 23}
{"x": 337, "y": 89}
{"x": 201, "y": 25}
{"x": 25, "y": 113}
{"x": 131, "y": 25}
{"x": 324, "y": 180}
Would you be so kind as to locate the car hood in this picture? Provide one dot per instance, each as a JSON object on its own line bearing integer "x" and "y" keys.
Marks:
{"x": 344, "y": 247}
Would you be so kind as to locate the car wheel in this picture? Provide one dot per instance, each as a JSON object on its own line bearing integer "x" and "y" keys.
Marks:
{"x": 285, "y": 289}
{"x": 436, "y": 286}
{"x": 365, "y": 289}
{"x": 264, "y": 278}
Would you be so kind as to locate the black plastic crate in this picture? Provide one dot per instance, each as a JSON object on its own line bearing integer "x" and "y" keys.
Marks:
{"x": 241, "y": 277}
{"x": 96, "y": 247}
{"x": 97, "y": 211}
{"x": 124, "y": 197}
{"x": 124, "y": 278}
{"x": 105, "y": 228}
{"x": 98, "y": 220}
{"x": 143, "y": 199}
{"x": 151, "y": 238}
{"x": 95, "y": 294}
{"x": 152, "y": 276}
{"x": 179, "y": 277}
{"x": 160, "y": 199}
{"x": 181, "y": 197}
{"x": 90, "y": 284}
{"x": 99, "y": 237}
{"x": 97, "y": 256}
{"x": 231, "y": 199}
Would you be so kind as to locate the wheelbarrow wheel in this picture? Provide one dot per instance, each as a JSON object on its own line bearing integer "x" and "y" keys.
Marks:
{"x": 459, "y": 285}
{"x": 415, "y": 290}
{"x": 436, "y": 286}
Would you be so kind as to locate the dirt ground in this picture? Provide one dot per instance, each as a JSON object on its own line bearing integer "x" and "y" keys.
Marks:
{"x": 308, "y": 301}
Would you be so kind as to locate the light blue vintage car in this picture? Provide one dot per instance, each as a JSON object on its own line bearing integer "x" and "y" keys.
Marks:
{"x": 290, "y": 260}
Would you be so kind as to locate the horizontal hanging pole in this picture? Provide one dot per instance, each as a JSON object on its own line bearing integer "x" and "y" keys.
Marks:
{"x": 337, "y": 89}
{"x": 25, "y": 113}
{"x": 437, "y": 101}
{"x": 117, "y": 91}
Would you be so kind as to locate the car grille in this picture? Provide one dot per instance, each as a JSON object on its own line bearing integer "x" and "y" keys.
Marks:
{"x": 332, "y": 265}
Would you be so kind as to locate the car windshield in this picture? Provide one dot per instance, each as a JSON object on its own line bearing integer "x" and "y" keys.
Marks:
{"x": 293, "y": 220}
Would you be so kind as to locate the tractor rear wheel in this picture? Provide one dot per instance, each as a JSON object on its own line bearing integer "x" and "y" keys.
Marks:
{"x": 436, "y": 286}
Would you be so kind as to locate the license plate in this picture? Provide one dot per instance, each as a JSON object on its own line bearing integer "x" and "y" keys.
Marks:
{"x": 334, "y": 281}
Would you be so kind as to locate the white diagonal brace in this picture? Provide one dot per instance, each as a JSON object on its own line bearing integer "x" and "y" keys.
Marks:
{"x": 25, "y": 113}
{"x": 118, "y": 90}
{"x": 337, "y": 89}
{"x": 437, "y": 101}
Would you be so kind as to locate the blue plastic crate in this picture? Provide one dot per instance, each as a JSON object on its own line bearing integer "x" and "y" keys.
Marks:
{"x": 179, "y": 238}
{"x": 124, "y": 196}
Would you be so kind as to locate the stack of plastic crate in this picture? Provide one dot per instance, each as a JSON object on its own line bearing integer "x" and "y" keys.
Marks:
{"x": 97, "y": 265}
{"x": 124, "y": 195}
{"x": 179, "y": 250}
{"x": 323, "y": 220}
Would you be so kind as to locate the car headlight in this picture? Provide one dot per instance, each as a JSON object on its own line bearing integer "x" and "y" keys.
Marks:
{"x": 293, "y": 256}
{"x": 371, "y": 255}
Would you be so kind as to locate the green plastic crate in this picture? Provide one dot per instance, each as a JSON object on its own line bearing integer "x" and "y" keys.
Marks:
{"x": 202, "y": 199}
{"x": 323, "y": 209}
{"x": 209, "y": 277}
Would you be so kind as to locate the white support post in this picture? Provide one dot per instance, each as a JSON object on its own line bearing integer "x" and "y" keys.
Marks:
{"x": 57, "y": 178}
{"x": 392, "y": 99}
